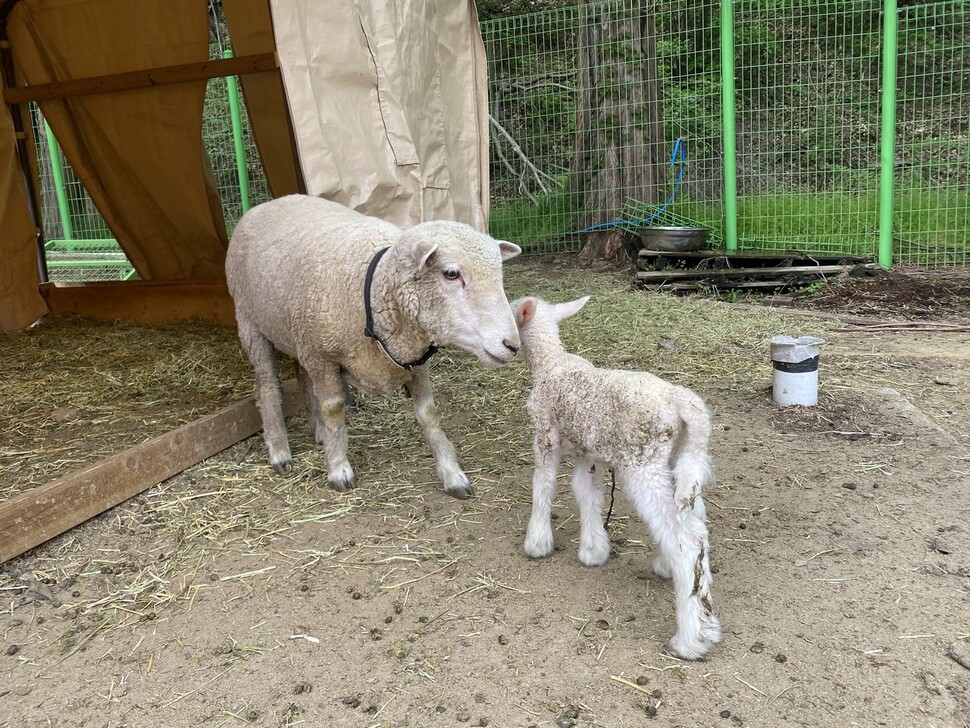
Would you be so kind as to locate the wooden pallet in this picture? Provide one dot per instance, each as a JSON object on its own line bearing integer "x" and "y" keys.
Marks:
{"x": 708, "y": 269}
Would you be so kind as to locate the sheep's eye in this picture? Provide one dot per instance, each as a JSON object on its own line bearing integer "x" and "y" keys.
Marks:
{"x": 452, "y": 274}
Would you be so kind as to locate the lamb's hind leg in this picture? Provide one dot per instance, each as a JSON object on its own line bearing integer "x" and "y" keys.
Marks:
{"x": 269, "y": 398}
{"x": 594, "y": 543}
{"x": 455, "y": 481}
{"x": 327, "y": 405}
{"x": 683, "y": 540}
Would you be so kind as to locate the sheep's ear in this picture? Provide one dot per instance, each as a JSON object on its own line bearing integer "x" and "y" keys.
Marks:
{"x": 525, "y": 309}
{"x": 565, "y": 310}
{"x": 509, "y": 250}
{"x": 422, "y": 249}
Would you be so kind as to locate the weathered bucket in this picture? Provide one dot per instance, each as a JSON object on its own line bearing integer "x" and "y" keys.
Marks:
{"x": 795, "y": 364}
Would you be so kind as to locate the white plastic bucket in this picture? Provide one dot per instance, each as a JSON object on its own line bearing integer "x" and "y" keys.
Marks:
{"x": 795, "y": 365}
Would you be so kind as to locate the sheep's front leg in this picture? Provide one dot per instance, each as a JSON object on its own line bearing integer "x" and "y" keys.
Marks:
{"x": 538, "y": 537}
{"x": 325, "y": 395}
{"x": 446, "y": 461}
{"x": 269, "y": 398}
{"x": 594, "y": 543}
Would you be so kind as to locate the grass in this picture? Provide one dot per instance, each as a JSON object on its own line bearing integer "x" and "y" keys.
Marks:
{"x": 930, "y": 227}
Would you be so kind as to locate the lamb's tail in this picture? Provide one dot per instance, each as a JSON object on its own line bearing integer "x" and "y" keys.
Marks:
{"x": 690, "y": 459}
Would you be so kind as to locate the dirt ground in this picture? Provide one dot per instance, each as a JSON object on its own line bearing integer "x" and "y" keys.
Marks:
{"x": 230, "y": 595}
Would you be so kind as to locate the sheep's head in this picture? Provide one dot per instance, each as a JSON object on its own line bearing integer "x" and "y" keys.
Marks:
{"x": 457, "y": 289}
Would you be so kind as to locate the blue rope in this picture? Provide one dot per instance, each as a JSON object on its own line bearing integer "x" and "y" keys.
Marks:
{"x": 677, "y": 152}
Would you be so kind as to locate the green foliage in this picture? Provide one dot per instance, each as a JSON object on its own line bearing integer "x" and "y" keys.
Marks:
{"x": 535, "y": 227}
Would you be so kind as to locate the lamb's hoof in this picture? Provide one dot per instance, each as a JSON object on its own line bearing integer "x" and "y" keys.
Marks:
{"x": 283, "y": 465}
{"x": 459, "y": 487}
{"x": 662, "y": 568}
{"x": 697, "y": 649}
{"x": 711, "y": 629}
{"x": 595, "y": 554}
{"x": 539, "y": 546}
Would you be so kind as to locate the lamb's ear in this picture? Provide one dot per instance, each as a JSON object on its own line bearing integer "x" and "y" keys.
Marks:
{"x": 525, "y": 309}
{"x": 421, "y": 250}
{"x": 565, "y": 310}
{"x": 509, "y": 250}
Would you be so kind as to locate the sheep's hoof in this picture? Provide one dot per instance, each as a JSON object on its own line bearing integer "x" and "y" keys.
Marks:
{"x": 283, "y": 466}
{"x": 460, "y": 488}
{"x": 342, "y": 485}
{"x": 341, "y": 477}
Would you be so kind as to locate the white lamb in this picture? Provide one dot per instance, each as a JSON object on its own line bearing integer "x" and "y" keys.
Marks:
{"x": 308, "y": 276}
{"x": 653, "y": 434}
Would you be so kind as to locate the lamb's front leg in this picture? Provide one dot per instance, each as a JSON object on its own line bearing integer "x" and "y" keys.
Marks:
{"x": 325, "y": 395}
{"x": 594, "y": 543}
{"x": 538, "y": 537}
{"x": 446, "y": 461}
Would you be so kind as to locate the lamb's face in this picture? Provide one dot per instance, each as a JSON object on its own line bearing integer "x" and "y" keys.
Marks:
{"x": 461, "y": 300}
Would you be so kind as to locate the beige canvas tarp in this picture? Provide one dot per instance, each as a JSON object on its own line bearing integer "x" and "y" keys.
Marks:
{"x": 133, "y": 150}
{"x": 378, "y": 104}
{"x": 388, "y": 102}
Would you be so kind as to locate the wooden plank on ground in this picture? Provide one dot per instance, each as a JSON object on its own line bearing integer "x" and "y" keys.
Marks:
{"x": 128, "y": 80}
{"x": 147, "y": 302}
{"x": 29, "y": 519}
{"x": 659, "y": 275}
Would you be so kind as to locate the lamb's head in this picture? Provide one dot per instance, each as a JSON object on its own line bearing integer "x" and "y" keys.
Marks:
{"x": 538, "y": 323}
{"x": 456, "y": 290}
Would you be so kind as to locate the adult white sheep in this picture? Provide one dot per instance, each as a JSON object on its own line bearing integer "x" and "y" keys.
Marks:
{"x": 653, "y": 434}
{"x": 356, "y": 299}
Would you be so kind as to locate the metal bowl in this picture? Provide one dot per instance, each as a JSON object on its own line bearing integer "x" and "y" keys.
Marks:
{"x": 674, "y": 239}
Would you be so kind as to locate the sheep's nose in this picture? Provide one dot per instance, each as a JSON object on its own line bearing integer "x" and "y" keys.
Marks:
{"x": 511, "y": 346}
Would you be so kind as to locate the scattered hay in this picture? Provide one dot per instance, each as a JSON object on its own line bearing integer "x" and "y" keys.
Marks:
{"x": 78, "y": 390}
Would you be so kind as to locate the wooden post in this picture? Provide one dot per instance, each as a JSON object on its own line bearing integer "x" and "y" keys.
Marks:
{"x": 31, "y": 518}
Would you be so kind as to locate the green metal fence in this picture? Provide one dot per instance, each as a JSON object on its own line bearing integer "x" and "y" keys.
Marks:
{"x": 811, "y": 125}
{"x": 802, "y": 127}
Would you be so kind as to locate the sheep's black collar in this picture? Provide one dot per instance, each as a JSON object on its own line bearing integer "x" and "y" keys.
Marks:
{"x": 369, "y": 326}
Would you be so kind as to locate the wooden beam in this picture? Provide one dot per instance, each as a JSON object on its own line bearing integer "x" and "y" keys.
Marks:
{"x": 148, "y": 302}
{"x": 215, "y": 68}
{"x": 660, "y": 275}
{"x": 29, "y": 519}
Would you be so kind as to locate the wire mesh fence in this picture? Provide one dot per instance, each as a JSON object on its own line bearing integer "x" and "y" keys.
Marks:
{"x": 807, "y": 113}
{"x": 579, "y": 134}
{"x": 611, "y": 114}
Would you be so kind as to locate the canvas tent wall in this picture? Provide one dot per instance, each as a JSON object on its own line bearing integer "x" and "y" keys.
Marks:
{"x": 380, "y": 105}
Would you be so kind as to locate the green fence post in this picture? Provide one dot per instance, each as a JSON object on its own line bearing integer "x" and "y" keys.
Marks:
{"x": 887, "y": 142}
{"x": 237, "y": 137}
{"x": 728, "y": 128}
{"x": 54, "y": 150}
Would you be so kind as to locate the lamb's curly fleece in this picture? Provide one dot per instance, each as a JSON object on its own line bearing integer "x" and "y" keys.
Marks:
{"x": 653, "y": 434}
{"x": 296, "y": 268}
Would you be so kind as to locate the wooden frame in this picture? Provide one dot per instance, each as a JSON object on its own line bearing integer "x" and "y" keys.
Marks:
{"x": 147, "y": 302}
{"x": 143, "y": 79}
{"x": 31, "y": 518}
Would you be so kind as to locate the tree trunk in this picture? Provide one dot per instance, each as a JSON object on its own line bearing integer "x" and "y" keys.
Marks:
{"x": 619, "y": 135}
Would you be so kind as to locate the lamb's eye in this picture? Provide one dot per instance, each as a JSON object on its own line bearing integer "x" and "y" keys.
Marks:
{"x": 452, "y": 274}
